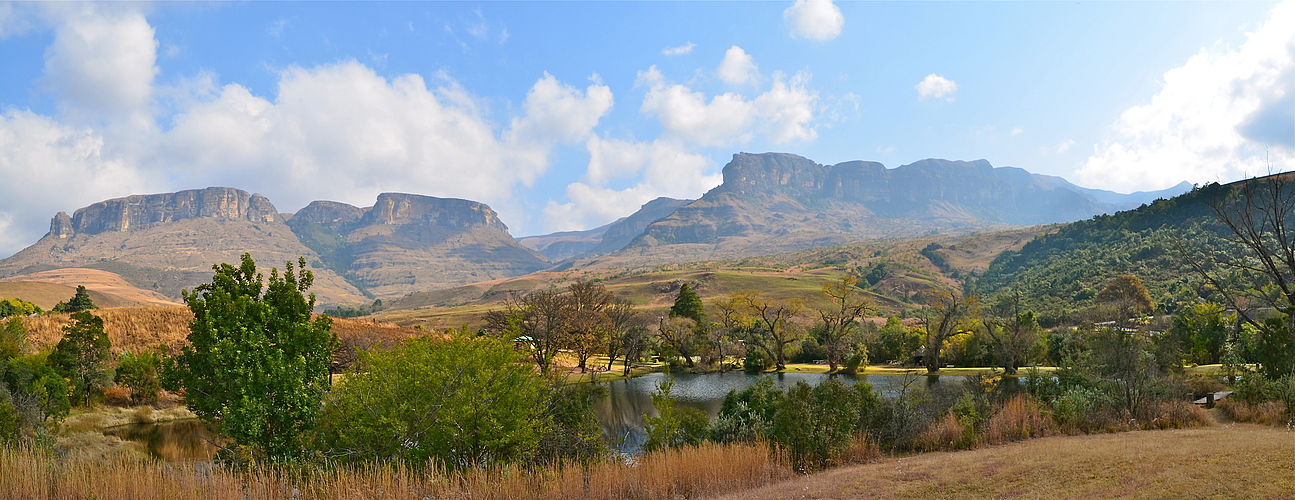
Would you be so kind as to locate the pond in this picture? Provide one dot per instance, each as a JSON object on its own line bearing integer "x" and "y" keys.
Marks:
{"x": 621, "y": 412}
{"x": 629, "y": 400}
{"x": 177, "y": 441}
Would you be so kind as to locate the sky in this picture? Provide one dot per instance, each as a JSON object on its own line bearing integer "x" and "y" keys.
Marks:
{"x": 569, "y": 115}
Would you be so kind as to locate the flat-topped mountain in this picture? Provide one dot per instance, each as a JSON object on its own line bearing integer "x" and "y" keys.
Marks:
{"x": 408, "y": 242}
{"x": 777, "y": 202}
{"x": 168, "y": 242}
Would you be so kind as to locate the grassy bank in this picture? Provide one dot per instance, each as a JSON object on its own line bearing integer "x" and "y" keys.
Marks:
{"x": 1227, "y": 461}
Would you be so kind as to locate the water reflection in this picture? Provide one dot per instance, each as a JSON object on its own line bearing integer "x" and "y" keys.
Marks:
{"x": 180, "y": 441}
{"x": 629, "y": 400}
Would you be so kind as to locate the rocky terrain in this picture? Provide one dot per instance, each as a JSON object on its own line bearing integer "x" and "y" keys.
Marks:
{"x": 407, "y": 242}
{"x": 604, "y": 239}
{"x": 779, "y": 202}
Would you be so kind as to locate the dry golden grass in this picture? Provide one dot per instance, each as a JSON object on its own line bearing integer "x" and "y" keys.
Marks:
{"x": 1020, "y": 418}
{"x": 107, "y": 289}
{"x": 1235, "y": 461}
{"x": 685, "y": 473}
{"x": 142, "y": 328}
{"x": 1269, "y": 413}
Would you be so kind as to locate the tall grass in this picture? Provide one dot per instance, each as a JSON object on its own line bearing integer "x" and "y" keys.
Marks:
{"x": 1268, "y": 413}
{"x": 1019, "y": 418}
{"x": 142, "y": 328}
{"x": 687, "y": 472}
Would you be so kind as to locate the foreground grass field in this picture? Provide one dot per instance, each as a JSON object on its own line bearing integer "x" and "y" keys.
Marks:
{"x": 1225, "y": 461}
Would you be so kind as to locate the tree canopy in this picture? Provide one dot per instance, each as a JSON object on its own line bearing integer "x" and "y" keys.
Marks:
{"x": 256, "y": 369}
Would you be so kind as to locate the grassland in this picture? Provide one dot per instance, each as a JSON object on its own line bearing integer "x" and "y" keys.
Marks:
{"x": 799, "y": 274}
{"x": 143, "y": 328}
{"x": 1226, "y": 461}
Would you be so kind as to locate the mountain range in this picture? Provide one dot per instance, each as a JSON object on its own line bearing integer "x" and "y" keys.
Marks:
{"x": 406, "y": 243}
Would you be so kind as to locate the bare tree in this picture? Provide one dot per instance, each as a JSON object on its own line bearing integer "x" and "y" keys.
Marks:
{"x": 772, "y": 330}
{"x": 840, "y": 323}
{"x": 537, "y": 320}
{"x": 946, "y": 308}
{"x": 1259, "y": 266}
{"x": 1013, "y": 332}
{"x": 680, "y": 335}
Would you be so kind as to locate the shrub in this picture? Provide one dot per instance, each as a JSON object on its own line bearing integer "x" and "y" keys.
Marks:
{"x": 674, "y": 426}
{"x": 1178, "y": 414}
{"x": 118, "y": 396}
{"x": 139, "y": 373}
{"x": 814, "y": 426}
{"x": 1019, "y": 418}
{"x": 458, "y": 402}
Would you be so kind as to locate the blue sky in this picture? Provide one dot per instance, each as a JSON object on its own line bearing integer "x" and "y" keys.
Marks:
{"x": 567, "y": 115}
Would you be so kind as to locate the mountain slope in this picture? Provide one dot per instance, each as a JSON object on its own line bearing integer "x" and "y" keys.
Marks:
{"x": 776, "y": 202}
{"x": 168, "y": 242}
{"x": 407, "y": 242}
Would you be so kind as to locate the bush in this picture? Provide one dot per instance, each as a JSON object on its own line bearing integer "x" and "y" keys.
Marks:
{"x": 139, "y": 373}
{"x": 575, "y": 432}
{"x": 673, "y": 426}
{"x": 458, "y": 402}
{"x": 816, "y": 425}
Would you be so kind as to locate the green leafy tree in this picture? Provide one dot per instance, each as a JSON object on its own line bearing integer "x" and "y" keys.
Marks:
{"x": 458, "y": 402}
{"x": 1202, "y": 330}
{"x": 13, "y": 339}
{"x": 1127, "y": 291}
{"x": 17, "y": 307}
{"x": 814, "y": 425}
{"x": 256, "y": 369}
{"x": 82, "y": 356}
{"x": 79, "y": 302}
{"x": 674, "y": 426}
{"x": 689, "y": 305}
{"x": 140, "y": 373}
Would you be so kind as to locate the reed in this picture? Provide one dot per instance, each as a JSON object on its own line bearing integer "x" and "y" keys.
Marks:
{"x": 1017, "y": 419}
{"x": 683, "y": 473}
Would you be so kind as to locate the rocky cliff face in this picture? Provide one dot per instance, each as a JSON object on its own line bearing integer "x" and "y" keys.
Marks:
{"x": 140, "y": 212}
{"x": 774, "y": 201}
{"x": 168, "y": 242}
{"x": 407, "y": 242}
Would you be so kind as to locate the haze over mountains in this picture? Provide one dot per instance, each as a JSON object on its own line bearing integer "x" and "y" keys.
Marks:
{"x": 405, "y": 243}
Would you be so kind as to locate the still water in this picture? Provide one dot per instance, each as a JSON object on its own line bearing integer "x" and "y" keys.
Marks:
{"x": 621, "y": 413}
{"x": 629, "y": 400}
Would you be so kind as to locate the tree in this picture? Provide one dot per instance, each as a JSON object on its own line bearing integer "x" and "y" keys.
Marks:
{"x": 679, "y": 334}
{"x": 79, "y": 302}
{"x": 1202, "y": 331}
{"x": 1013, "y": 332}
{"x": 674, "y": 426}
{"x": 139, "y": 373}
{"x": 537, "y": 320}
{"x": 17, "y": 307}
{"x": 1127, "y": 291}
{"x": 772, "y": 330}
{"x": 458, "y": 402}
{"x": 591, "y": 317}
{"x": 688, "y": 305}
{"x": 82, "y": 356}
{"x": 840, "y": 323}
{"x": 1258, "y": 264}
{"x": 13, "y": 339}
{"x": 256, "y": 369}
{"x": 947, "y": 308}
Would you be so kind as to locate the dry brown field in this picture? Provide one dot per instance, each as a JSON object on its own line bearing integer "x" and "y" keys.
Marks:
{"x": 1223, "y": 461}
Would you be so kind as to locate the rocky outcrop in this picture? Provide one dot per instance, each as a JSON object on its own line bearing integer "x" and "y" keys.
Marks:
{"x": 408, "y": 242}
{"x": 623, "y": 231}
{"x": 778, "y": 201}
{"x": 401, "y": 208}
{"x": 140, "y": 212}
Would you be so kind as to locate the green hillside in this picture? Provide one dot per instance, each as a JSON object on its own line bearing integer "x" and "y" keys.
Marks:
{"x": 1060, "y": 273}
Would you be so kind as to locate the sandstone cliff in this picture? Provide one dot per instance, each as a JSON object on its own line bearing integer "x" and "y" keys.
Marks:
{"x": 168, "y": 242}
{"x": 408, "y": 242}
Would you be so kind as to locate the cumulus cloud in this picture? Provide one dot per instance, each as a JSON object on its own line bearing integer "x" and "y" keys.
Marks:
{"x": 680, "y": 50}
{"x": 1216, "y": 118}
{"x": 102, "y": 63}
{"x": 47, "y": 165}
{"x": 662, "y": 168}
{"x": 1063, "y": 147}
{"x": 737, "y": 68}
{"x": 814, "y": 19}
{"x": 936, "y": 87}
{"x": 784, "y": 113}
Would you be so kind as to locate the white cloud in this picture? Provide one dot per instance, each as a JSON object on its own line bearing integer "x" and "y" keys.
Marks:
{"x": 1017, "y": 131}
{"x": 936, "y": 87}
{"x": 102, "y": 63}
{"x": 784, "y": 113}
{"x": 1212, "y": 120}
{"x": 737, "y": 68}
{"x": 15, "y": 19}
{"x": 553, "y": 113}
{"x": 662, "y": 168}
{"x": 680, "y": 50}
{"x": 814, "y": 19}
{"x": 51, "y": 167}
{"x": 1063, "y": 147}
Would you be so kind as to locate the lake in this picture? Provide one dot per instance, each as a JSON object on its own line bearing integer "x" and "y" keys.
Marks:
{"x": 621, "y": 412}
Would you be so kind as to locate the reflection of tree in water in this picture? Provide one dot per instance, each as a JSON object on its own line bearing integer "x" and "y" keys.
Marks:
{"x": 182, "y": 441}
